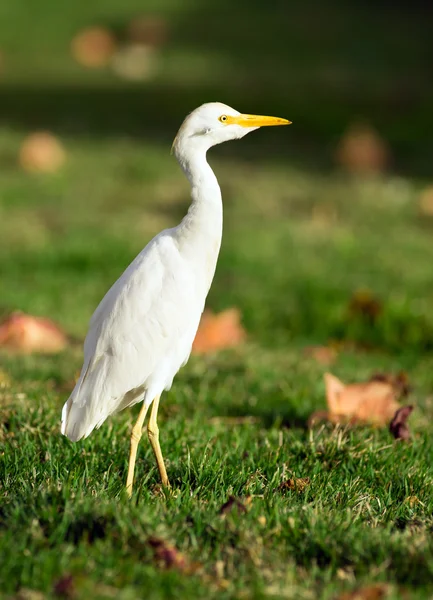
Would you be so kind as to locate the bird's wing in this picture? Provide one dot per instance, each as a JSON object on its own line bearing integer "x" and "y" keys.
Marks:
{"x": 149, "y": 308}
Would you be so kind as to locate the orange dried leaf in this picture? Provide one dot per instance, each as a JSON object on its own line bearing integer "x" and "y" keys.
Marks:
{"x": 93, "y": 47}
{"x": 426, "y": 201}
{"x": 41, "y": 152}
{"x": 26, "y": 334}
{"x": 218, "y": 331}
{"x": 370, "y": 402}
{"x": 361, "y": 150}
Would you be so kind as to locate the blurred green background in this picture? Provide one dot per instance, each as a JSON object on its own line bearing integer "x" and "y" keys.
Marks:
{"x": 320, "y": 63}
{"x": 313, "y": 213}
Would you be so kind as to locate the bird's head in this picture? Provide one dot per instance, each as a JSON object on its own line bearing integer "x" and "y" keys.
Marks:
{"x": 214, "y": 123}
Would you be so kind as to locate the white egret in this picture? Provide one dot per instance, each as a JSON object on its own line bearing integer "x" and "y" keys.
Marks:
{"x": 142, "y": 331}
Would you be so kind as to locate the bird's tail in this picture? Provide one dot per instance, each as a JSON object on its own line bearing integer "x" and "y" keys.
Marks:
{"x": 79, "y": 416}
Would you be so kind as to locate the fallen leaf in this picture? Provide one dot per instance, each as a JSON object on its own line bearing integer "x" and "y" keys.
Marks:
{"x": 149, "y": 30}
{"x": 297, "y": 484}
{"x": 370, "y": 402}
{"x": 398, "y": 426}
{"x": 26, "y": 334}
{"x": 425, "y": 201}
{"x": 64, "y": 587}
{"x": 361, "y": 150}
{"x": 231, "y": 504}
{"x": 169, "y": 557}
{"x": 41, "y": 152}
{"x": 324, "y": 355}
{"x": 218, "y": 331}
{"x": 93, "y": 47}
{"x": 369, "y": 592}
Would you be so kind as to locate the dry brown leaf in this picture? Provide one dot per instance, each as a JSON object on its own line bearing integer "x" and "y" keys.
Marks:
{"x": 149, "y": 30}
{"x": 426, "y": 201}
{"x": 231, "y": 504}
{"x": 361, "y": 150}
{"x": 64, "y": 587}
{"x": 369, "y": 592}
{"x": 26, "y": 334}
{"x": 398, "y": 426}
{"x": 297, "y": 484}
{"x": 218, "y": 331}
{"x": 169, "y": 557}
{"x": 41, "y": 152}
{"x": 370, "y": 402}
{"x": 93, "y": 47}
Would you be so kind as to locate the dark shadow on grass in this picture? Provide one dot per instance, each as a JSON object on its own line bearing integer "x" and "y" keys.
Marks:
{"x": 267, "y": 416}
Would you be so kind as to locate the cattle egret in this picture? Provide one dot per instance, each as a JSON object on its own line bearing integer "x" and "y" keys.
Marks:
{"x": 142, "y": 331}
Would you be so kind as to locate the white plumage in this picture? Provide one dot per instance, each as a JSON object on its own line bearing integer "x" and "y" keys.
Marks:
{"x": 142, "y": 332}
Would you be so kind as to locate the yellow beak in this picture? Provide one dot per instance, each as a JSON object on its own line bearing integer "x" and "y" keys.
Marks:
{"x": 256, "y": 121}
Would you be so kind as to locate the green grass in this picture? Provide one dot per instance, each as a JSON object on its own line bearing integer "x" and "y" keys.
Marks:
{"x": 299, "y": 242}
{"x": 366, "y": 515}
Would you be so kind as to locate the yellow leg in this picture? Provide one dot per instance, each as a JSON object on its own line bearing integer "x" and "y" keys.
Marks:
{"x": 135, "y": 438}
{"x": 153, "y": 433}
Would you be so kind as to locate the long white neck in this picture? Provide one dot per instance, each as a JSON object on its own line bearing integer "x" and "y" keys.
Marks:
{"x": 205, "y": 211}
{"x": 200, "y": 232}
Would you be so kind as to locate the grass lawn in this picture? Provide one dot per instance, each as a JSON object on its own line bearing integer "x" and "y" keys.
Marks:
{"x": 296, "y": 247}
{"x": 298, "y": 243}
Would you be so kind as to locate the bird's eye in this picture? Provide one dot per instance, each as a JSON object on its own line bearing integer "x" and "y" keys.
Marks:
{"x": 223, "y": 118}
